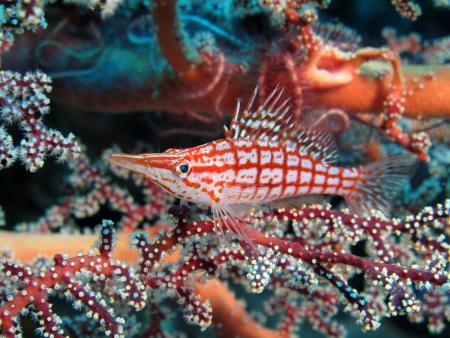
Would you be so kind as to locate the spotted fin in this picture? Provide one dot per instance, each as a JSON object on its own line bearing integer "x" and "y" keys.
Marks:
{"x": 316, "y": 143}
{"x": 379, "y": 184}
{"x": 271, "y": 121}
{"x": 268, "y": 120}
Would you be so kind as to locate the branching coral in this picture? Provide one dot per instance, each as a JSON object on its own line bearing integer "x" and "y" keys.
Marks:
{"x": 200, "y": 77}
{"x": 69, "y": 276}
{"x": 192, "y": 70}
{"x": 18, "y": 16}
{"x": 314, "y": 262}
{"x": 23, "y": 100}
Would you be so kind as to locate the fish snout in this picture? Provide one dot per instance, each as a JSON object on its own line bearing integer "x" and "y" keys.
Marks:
{"x": 144, "y": 164}
{"x": 134, "y": 163}
{"x": 125, "y": 160}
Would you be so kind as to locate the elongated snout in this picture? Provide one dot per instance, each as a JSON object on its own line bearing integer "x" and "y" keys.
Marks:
{"x": 134, "y": 163}
{"x": 144, "y": 164}
{"x": 126, "y": 160}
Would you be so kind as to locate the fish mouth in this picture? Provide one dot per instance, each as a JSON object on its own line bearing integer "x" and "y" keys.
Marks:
{"x": 143, "y": 164}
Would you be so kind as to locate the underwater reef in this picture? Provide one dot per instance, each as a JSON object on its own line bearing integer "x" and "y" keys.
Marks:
{"x": 89, "y": 248}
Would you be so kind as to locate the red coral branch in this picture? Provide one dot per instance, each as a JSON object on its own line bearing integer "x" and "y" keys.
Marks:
{"x": 286, "y": 263}
{"x": 34, "y": 287}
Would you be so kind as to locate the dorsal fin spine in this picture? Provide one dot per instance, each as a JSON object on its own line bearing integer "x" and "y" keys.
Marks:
{"x": 270, "y": 109}
{"x": 249, "y": 106}
{"x": 230, "y": 132}
{"x": 267, "y": 100}
{"x": 270, "y": 121}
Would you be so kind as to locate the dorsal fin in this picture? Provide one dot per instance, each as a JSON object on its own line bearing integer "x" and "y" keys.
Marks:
{"x": 316, "y": 143}
{"x": 271, "y": 121}
{"x": 268, "y": 120}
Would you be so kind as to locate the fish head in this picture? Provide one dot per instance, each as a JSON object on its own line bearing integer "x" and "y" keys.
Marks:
{"x": 173, "y": 170}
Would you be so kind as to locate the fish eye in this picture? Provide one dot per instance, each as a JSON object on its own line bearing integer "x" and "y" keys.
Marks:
{"x": 183, "y": 169}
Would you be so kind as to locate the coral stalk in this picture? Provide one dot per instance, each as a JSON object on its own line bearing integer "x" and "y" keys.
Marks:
{"x": 167, "y": 28}
{"x": 427, "y": 89}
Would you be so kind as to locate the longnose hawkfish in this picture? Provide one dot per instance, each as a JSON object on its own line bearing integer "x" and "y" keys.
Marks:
{"x": 265, "y": 157}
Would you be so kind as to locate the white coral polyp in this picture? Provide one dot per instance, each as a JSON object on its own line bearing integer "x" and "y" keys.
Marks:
{"x": 23, "y": 100}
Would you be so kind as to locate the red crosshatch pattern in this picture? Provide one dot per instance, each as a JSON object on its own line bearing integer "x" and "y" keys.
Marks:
{"x": 261, "y": 171}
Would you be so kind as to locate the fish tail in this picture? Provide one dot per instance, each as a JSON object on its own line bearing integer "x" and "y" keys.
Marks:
{"x": 378, "y": 184}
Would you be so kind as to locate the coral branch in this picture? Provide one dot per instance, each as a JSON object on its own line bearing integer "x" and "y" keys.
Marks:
{"x": 284, "y": 261}
{"x": 65, "y": 273}
{"x": 23, "y": 100}
{"x": 168, "y": 34}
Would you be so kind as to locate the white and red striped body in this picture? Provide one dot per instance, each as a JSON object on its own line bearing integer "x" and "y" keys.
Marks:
{"x": 233, "y": 171}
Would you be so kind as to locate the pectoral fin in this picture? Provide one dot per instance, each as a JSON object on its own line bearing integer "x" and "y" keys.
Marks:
{"x": 232, "y": 217}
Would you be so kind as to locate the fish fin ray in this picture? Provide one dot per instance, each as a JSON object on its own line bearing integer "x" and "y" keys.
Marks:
{"x": 267, "y": 121}
{"x": 379, "y": 184}
{"x": 271, "y": 121}
{"x": 217, "y": 217}
{"x": 316, "y": 143}
{"x": 229, "y": 218}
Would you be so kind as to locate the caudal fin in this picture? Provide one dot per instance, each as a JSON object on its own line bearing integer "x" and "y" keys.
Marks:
{"x": 379, "y": 183}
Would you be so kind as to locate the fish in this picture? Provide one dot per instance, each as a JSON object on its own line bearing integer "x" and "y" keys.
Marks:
{"x": 263, "y": 158}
